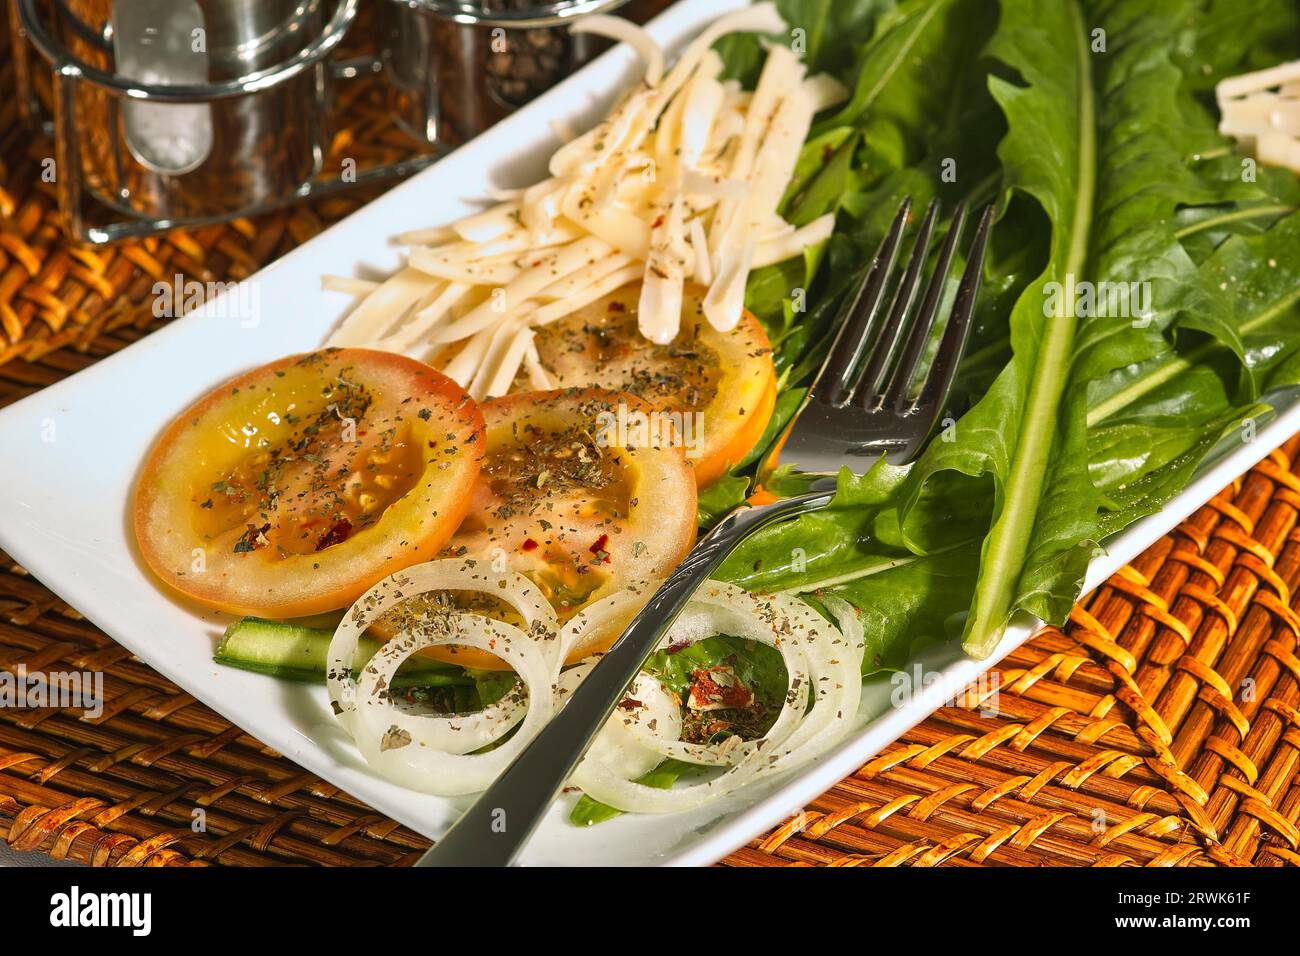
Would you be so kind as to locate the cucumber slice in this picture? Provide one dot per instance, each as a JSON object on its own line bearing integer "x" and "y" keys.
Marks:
{"x": 292, "y": 651}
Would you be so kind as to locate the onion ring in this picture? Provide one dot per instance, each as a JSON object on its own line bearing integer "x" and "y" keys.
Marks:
{"x": 382, "y": 727}
{"x": 801, "y": 635}
{"x": 394, "y": 745}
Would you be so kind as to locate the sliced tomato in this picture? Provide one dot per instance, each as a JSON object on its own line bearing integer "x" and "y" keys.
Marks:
{"x": 572, "y": 503}
{"x": 721, "y": 385}
{"x": 292, "y": 489}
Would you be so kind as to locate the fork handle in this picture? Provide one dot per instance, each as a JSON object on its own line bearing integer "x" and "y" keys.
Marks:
{"x": 496, "y": 827}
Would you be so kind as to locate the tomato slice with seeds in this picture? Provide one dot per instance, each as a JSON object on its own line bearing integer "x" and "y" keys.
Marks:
{"x": 720, "y": 385}
{"x": 567, "y": 500}
{"x": 292, "y": 489}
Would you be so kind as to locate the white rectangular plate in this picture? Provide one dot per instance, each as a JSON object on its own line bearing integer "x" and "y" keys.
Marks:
{"x": 69, "y": 454}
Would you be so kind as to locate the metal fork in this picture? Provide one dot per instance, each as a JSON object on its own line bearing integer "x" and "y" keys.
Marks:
{"x": 861, "y": 405}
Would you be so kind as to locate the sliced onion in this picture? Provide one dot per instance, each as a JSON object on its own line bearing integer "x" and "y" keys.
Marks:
{"x": 510, "y": 588}
{"x": 598, "y": 622}
{"x": 802, "y": 637}
{"x": 431, "y": 752}
{"x": 702, "y": 620}
{"x": 436, "y": 753}
{"x": 619, "y": 745}
{"x": 850, "y": 625}
{"x": 451, "y": 733}
{"x": 405, "y": 752}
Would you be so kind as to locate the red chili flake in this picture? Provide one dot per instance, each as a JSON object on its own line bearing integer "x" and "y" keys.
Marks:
{"x": 337, "y": 533}
{"x": 630, "y": 703}
{"x": 718, "y": 688}
{"x": 677, "y": 647}
{"x": 599, "y": 546}
{"x": 657, "y": 223}
{"x": 529, "y": 544}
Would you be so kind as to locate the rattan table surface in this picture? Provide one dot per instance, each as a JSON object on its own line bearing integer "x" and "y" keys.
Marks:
{"x": 1160, "y": 727}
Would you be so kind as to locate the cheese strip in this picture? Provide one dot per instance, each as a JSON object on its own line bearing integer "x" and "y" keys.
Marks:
{"x": 427, "y": 237}
{"x": 507, "y": 368}
{"x": 379, "y": 311}
{"x": 1285, "y": 117}
{"x": 660, "y": 311}
{"x": 496, "y": 272}
{"x": 1246, "y": 117}
{"x": 537, "y": 376}
{"x": 781, "y": 248}
{"x": 465, "y": 363}
{"x": 1234, "y": 86}
{"x": 512, "y": 297}
{"x": 580, "y": 281}
{"x": 348, "y": 285}
{"x": 825, "y": 91}
{"x": 597, "y": 290}
{"x": 779, "y": 72}
{"x": 700, "y": 114}
{"x": 703, "y": 268}
{"x": 1267, "y": 122}
{"x": 425, "y": 318}
{"x": 488, "y": 225}
{"x": 771, "y": 174}
{"x": 500, "y": 347}
{"x": 1278, "y": 149}
{"x": 620, "y": 228}
{"x": 625, "y": 31}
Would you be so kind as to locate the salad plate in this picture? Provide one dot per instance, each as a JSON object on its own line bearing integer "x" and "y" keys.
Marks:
{"x": 70, "y": 455}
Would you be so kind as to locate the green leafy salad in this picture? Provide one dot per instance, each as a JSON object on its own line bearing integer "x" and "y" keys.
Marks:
{"x": 1093, "y": 126}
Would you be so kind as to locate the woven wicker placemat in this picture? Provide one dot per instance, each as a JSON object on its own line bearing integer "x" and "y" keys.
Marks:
{"x": 1161, "y": 726}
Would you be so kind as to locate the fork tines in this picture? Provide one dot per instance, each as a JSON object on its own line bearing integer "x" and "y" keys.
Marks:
{"x": 882, "y": 338}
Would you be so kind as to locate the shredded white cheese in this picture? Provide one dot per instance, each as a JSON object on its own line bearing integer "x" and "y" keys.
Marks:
{"x": 1262, "y": 110}
{"x": 680, "y": 182}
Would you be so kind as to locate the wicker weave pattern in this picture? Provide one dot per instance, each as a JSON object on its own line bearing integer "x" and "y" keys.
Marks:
{"x": 1159, "y": 728}
{"x": 122, "y": 789}
{"x": 55, "y": 293}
